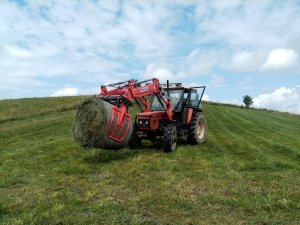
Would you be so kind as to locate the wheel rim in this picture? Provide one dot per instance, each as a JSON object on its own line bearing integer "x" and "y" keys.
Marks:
{"x": 201, "y": 129}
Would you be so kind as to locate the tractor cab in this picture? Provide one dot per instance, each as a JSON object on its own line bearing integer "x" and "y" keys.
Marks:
{"x": 182, "y": 97}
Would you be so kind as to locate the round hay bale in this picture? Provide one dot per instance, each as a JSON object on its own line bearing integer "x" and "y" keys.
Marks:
{"x": 90, "y": 125}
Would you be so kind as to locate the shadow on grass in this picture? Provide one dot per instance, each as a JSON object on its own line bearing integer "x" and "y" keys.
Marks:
{"x": 107, "y": 156}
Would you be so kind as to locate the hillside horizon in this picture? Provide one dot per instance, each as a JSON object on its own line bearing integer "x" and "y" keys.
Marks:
{"x": 207, "y": 101}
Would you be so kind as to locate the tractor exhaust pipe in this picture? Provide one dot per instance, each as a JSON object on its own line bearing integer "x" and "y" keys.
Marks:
{"x": 168, "y": 91}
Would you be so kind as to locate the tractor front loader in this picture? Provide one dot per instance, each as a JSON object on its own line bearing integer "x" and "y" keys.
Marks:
{"x": 167, "y": 111}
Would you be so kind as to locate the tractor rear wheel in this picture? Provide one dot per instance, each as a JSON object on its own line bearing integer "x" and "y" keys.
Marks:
{"x": 197, "y": 129}
{"x": 170, "y": 138}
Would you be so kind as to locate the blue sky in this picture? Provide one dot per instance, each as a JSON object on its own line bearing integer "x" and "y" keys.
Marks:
{"x": 235, "y": 47}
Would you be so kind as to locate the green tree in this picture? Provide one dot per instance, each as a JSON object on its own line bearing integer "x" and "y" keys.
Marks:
{"x": 247, "y": 101}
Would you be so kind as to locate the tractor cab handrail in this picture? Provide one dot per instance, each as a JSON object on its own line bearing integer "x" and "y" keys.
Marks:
{"x": 203, "y": 90}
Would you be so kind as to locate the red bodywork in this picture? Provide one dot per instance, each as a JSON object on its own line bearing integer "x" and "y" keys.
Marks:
{"x": 187, "y": 115}
{"x": 118, "y": 125}
{"x": 120, "y": 120}
{"x": 154, "y": 119}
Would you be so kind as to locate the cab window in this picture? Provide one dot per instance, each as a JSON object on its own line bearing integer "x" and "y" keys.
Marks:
{"x": 194, "y": 99}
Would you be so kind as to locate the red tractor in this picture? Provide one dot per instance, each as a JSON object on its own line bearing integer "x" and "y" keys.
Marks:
{"x": 168, "y": 111}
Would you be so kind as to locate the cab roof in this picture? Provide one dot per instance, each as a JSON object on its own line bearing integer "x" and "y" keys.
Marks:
{"x": 178, "y": 86}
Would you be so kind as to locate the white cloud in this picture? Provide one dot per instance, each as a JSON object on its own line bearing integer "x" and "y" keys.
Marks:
{"x": 206, "y": 98}
{"x": 282, "y": 99}
{"x": 17, "y": 51}
{"x": 68, "y": 91}
{"x": 146, "y": 25}
{"x": 249, "y": 24}
{"x": 111, "y": 6}
{"x": 281, "y": 59}
{"x": 73, "y": 91}
{"x": 236, "y": 26}
{"x": 197, "y": 63}
{"x": 246, "y": 61}
{"x": 231, "y": 101}
{"x": 200, "y": 62}
{"x": 22, "y": 87}
{"x": 276, "y": 60}
{"x": 217, "y": 81}
{"x": 160, "y": 72}
{"x": 58, "y": 43}
{"x": 81, "y": 40}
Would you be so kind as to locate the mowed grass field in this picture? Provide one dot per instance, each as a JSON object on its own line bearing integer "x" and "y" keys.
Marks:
{"x": 247, "y": 172}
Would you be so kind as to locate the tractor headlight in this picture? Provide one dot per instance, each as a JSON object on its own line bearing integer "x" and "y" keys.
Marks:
{"x": 143, "y": 122}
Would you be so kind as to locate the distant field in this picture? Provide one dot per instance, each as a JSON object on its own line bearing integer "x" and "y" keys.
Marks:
{"x": 247, "y": 172}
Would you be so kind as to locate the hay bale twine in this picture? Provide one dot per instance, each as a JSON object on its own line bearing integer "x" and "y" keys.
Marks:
{"x": 90, "y": 125}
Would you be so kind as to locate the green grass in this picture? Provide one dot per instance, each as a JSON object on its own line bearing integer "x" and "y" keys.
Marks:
{"x": 247, "y": 172}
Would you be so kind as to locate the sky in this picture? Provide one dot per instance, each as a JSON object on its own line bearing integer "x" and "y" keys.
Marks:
{"x": 234, "y": 47}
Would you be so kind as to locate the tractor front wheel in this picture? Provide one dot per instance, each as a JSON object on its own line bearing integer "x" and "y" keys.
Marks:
{"x": 170, "y": 138}
{"x": 134, "y": 142}
{"x": 197, "y": 129}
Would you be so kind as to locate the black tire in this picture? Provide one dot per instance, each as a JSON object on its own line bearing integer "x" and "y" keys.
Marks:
{"x": 170, "y": 138}
{"x": 197, "y": 129}
{"x": 134, "y": 142}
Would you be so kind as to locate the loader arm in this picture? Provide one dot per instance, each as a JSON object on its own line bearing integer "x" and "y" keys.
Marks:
{"x": 122, "y": 94}
{"x": 129, "y": 91}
